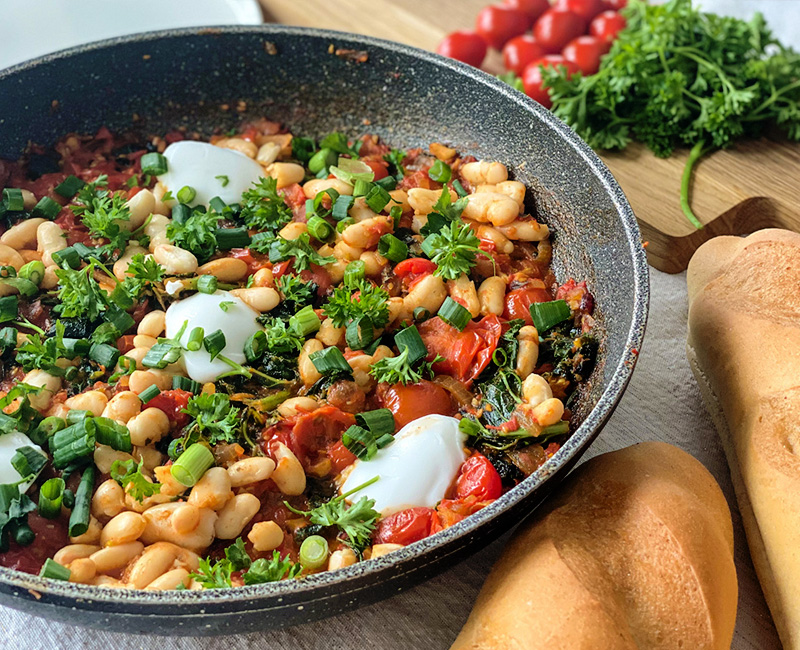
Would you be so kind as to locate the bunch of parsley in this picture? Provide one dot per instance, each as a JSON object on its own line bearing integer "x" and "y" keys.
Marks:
{"x": 678, "y": 77}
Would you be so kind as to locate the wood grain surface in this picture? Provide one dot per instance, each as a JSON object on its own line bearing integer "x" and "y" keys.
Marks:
{"x": 736, "y": 191}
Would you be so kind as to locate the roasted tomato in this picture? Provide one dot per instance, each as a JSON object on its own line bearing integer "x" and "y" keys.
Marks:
{"x": 465, "y": 354}
{"x": 479, "y": 478}
{"x": 340, "y": 456}
{"x": 405, "y": 527}
{"x": 378, "y": 167}
{"x": 412, "y": 401}
{"x": 254, "y": 261}
{"x": 318, "y": 430}
{"x": 316, "y": 274}
{"x": 451, "y": 511}
{"x": 172, "y": 402}
{"x": 519, "y": 301}
{"x": 413, "y": 269}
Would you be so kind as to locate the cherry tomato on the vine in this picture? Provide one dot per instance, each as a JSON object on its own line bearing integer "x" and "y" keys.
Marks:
{"x": 607, "y": 25}
{"x": 520, "y": 51}
{"x": 532, "y": 77}
{"x": 498, "y": 24}
{"x": 556, "y": 28}
{"x": 585, "y": 52}
{"x": 534, "y": 8}
{"x": 464, "y": 46}
{"x": 586, "y": 9}
{"x": 614, "y": 5}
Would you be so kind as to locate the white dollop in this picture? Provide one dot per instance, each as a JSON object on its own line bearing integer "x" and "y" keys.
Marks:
{"x": 205, "y": 168}
{"x": 237, "y": 322}
{"x": 9, "y": 443}
{"x": 415, "y": 470}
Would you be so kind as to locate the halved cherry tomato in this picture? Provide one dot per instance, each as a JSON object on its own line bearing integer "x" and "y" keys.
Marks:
{"x": 405, "y": 527}
{"x": 607, "y": 25}
{"x": 520, "y": 51}
{"x": 316, "y": 274}
{"x": 172, "y": 402}
{"x": 556, "y": 28}
{"x": 340, "y": 456}
{"x": 498, "y": 24}
{"x": 378, "y": 168}
{"x": 586, "y": 9}
{"x": 519, "y": 301}
{"x": 479, "y": 478}
{"x": 254, "y": 261}
{"x": 465, "y": 354}
{"x": 532, "y": 78}
{"x": 413, "y": 269}
{"x": 451, "y": 511}
{"x": 318, "y": 430}
{"x": 585, "y": 52}
{"x": 534, "y": 8}
{"x": 464, "y": 46}
{"x": 412, "y": 401}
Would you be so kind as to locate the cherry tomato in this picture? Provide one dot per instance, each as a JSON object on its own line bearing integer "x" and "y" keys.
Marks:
{"x": 519, "y": 301}
{"x": 534, "y": 8}
{"x": 413, "y": 269}
{"x": 607, "y": 25}
{"x": 412, "y": 401}
{"x": 520, "y": 51}
{"x": 172, "y": 402}
{"x": 319, "y": 430}
{"x": 340, "y": 456}
{"x": 532, "y": 79}
{"x": 479, "y": 478}
{"x": 125, "y": 343}
{"x": 465, "y": 354}
{"x": 614, "y": 5}
{"x": 498, "y": 24}
{"x": 556, "y": 28}
{"x": 378, "y": 167}
{"x": 585, "y": 52}
{"x": 254, "y": 260}
{"x": 586, "y": 9}
{"x": 464, "y": 46}
{"x": 405, "y": 527}
{"x": 294, "y": 195}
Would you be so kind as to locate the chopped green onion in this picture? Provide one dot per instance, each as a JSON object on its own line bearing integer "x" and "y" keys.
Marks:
{"x": 51, "y": 494}
{"x": 192, "y": 464}
{"x": 79, "y": 517}
{"x": 392, "y": 248}
{"x": 149, "y": 393}
{"x": 354, "y": 272}
{"x": 303, "y": 148}
{"x": 322, "y": 160}
{"x": 46, "y": 429}
{"x": 440, "y": 172}
{"x": 364, "y": 443}
{"x": 313, "y": 552}
{"x": 187, "y": 384}
{"x": 46, "y": 208}
{"x": 13, "y": 200}
{"x": 23, "y": 535}
{"x": 351, "y": 171}
{"x": 319, "y": 229}
{"x": 454, "y": 313}
{"x": 340, "y": 227}
{"x": 396, "y": 213}
{"x": 76, "y": 441}
{"x": 214, "y": 343}
{"x": 499, "y": 357}
{"x": 459, "y": 188}
{"x": 379, "y": 421}
{"x": 69, "y": 187}
{"x": 119, "y": 318}
{"x": 195, "y": 341}
{"x": 186, "y": 194}
{"x": 359, "y": 333}
{"x": 341, "y": 207}
{"x": 181, "y": 213}
{"x": 207, "y": 284}
{"x": 410, "y": 338}
{"x": 76, "y": 347}
{"x": 55, "y": 571}
{"x": 27, "y": 461}
{"x": 69, "y": 499}
{"x": 106, "y": 355}
{"x": 161, "y": 355}
{"x": 77, "y": 415}
{"x": 217, "y": 205}
{"x": 305, "y": 321}
{"x": 113, "y": 434}
{"x": 33, "y": 271}
{"x": 9, "y": 308}
{"x": 361, "y": 188}
{"x": 228, "y": 238}
{"x": 548, "y": 314}
{"x": 330, "y": 361}
{"x": 387, "y": 182}
{"x": 154, "y": 164}
{"x": 377, "y": 198}
{"x": 67, "y": 257}
{"x": 256, "y": 346}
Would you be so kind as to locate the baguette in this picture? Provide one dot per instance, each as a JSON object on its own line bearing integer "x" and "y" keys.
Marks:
{"x": 744, "y": 348}
{"x": 635, "y": 553}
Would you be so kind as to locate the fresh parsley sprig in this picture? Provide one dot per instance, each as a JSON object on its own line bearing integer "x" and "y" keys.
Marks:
{"x": 217, "y": 574}
{"x": 105, "y": 215}
{"x": 300, "y": 250}
{"x": 129, "y": 475}
{"x": 43, "y": 352}
{"x": 214, "y": 417}
{"x": 79, "y": 294}
{"x": 454, "y": 250}
{"x": 263, "y": 208}
{"x": 344, "y": 306}
{"x": 400, "y": 370}
{"x": 198, "y": 234}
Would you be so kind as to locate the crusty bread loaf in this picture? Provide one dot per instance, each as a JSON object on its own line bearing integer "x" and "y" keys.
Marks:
{"x": 635, "y": 553}
{"x": 744, "y": 348}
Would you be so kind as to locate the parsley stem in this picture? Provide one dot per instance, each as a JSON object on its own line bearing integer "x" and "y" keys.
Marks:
{"x": 694, "y": 155}
{"x": 358, "y": 488}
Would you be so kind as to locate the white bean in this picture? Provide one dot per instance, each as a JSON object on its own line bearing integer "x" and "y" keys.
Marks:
{"x": 536, "y": 390}
{"x": 365, "y": 234}
{"x": 49, "y": 384}
{"x": 236, "y": 514}
{"x": 225, "y": 269}
{"x": 93, "y": 401}
{"x": 141, "y": 206}
{"x": 309, "y": 374}
{"x": 317, "y": 185}
{"x": 423, "y": 200}
{"x": 156, "y": 230}
{"x": 265, "y": 536}
{"x": 293, "y": 230}
{"x": 213, "y": 490}
{"x": 294, "y": 405}
{"x": 525, "y": 230}
{"x": 484, "y": 172}
{"x": 463, "y": 291}
{"x": 120, "y": 267}
{"x": 148, "y": 427}
{"x": 286, "y": 173}
{"x": 492, "y": 294}
{"x": 22, "y": 235}
{"x": 123, "y": 528}
{"x": 288, "y": 474}
{"x": 153, "y": 323}
{"x": 262, "y": 299}
{"x": 176, "y": 261}
{"x": 491, "y": 207}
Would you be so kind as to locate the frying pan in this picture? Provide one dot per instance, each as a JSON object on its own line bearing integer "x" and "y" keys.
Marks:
{"x": 316, "y": 82}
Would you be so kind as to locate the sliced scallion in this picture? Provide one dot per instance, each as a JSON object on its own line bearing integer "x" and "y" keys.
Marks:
{"x": 319, "y": 229}
{"x": 361, "y": 188}
{"x": 207, "y": 284}
{"x": 55, "y": 571}
{"x": 354, "y": 272}
{"x": 187, "y": 384}
{"x": 313, "y": 552}
{"x": 228, "y": 238}
{"x": 111, "y": 433}
{"x": 255, "y": 346}
{"x": 387, "y": 182}
{"x": 359, "y": 333}
{"x": 341, "y": 207}
{"x": 348, "y": 221}
{"x": 76, "y": 441}
{"x": 13, "y": 200}
{"x": 79, "y": 517}
{"x": 104, "y": 354}
{"x": 8, "y": 338}
{"x": 51, "y": 494}
{"x": 214, "y": 343}
{"x": 459, "y": 188}
{"x": 33, "y": 271}
{"x": 119, "y": 318}
{"x": 196, "y": 337}
{"x": 305, "y": 321}
{"x": 454, "y": 313}
{"x": 440, "y": 172}
{"x": 77, "y": 415}
{"x": 377, "y": 198}
{"x": 392, "y": 248}
{"x": 69, "y": 187}
{"x": 411, "y": 339}
{"x": 351, "y": 171}
{"x": 9, "y": 308}
{"x": 322, "y": 160}
{"x": 161, "y": 355}
{"x": 379, "y": 421}
{"x": 149, "y": 393}
{"x": 330, "y": 361}
{"x": 67, "y": 258}
{"x": 28, "y": 461}
{"x": 46, "y": 208}
{"x": 192, "y": 464}
{"x": 549, "y": 314}
{"x": 186, "y": 194}
{"x": 181, "y": 213}
{"x": 154, "y": 164}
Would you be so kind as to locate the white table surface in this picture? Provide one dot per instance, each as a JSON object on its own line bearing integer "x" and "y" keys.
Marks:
{"x": 662, "y": 402}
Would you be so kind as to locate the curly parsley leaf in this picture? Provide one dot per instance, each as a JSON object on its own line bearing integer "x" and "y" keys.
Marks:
{"x": 213, "y": 575}
{"x": 217, "y": 575}
{"x": 395, "y": 158}
{"x": 237, "y": 555}
{"x": 300, "y": 250}
{"x": 348, "y": 304}
{"x": 43, "y": 352}
{"x": 144, "y": 273}
{"x": 263, "y": 208}
{"x": 105, "y": 215}
{"x": 454, "y": 250}
{"x": 214, "y": 417}
{"x": 272, "y": 570}
{"x": 129, "y": 475}
{"x": 16, "y": 412}
{"x": 198, "y": 234}
{"x": 293, "y": 288}
{"x": 79, "y": 294}
{"x": 399, "y": 370}
{"x": 282, "y": 339}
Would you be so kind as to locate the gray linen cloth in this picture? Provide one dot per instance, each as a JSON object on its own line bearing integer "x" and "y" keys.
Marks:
{"x": 661, "y": 403}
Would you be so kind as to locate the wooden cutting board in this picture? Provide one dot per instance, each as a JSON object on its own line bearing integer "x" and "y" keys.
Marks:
{"x": 754, "y": 186}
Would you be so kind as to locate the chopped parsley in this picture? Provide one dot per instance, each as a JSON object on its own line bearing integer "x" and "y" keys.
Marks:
{"x": 224, "y": 180}
{"x": 217, "y": 575}
{"x": 129, "y": 475}
{"x": 79, "y": 293}
{"x": 144, "y": 273}
{"x": 293, "y": 288}
{"x": 343, "y": 306}
{"x": 399, "y": 370}
{"x": 104, "y": 214}
{"x": 300, "y": 249}
{"x": 282, "y": 339}
{"x": 198, "y": 234}
{"x": 214, "y": 417}
{"x": 263, "y": 208}
{"x": 42, "y": 352}
{"x": 453, "y": 249}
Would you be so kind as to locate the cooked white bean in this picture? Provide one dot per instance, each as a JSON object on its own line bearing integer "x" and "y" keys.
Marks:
{"x": 159, "y": 527}
{"x": 329, "y": 334}
{"x": 268, "y": 153}
{"x": 176, "y": 261}
{"x": 293, "y": 230}
{"x": 153, "y": 323}
{"x": 365, "y": 234}
{"x": 463, "y": 292}
{"x": 225, "y": 269}
{"x": 49, "y": 384}
{"x": 360, "y": 211}
{"x": 294, "y": 405}
{"x": 548, "y": 412}
{"x": 423, "y": 200}
{"x": 124, "y": 528}
{"x": 288, "y": 474}
{"x": 309, "y": 374}
{"x": 120, "y": 267}
{"x": 170, "y": 580}
{"x": 92, "y": 534}
{"x": 213, "y": 490}
{"x": 342, "y": 558}
{"x": 28, "y": 199}
{"x": 108, "y": 500}
{"x": 429, "y": 293}
{"x": 484, "y": 172}
{"x": 483, "y": 231}
{"x": 525, "y": 230}
{"x": 82, "y": 571}
{"x": 185, "y": 519}
{"x": 68, "y": 554}
{"x": 263, "y": 278}
{"x": 169, "y": 484}
{"x": 155, "y": 561}
{"x": 250, "y": 470}
{"x": 150, "y": 457}
{"x": 491, "y": 207}
{"x": 346, "y": 253}
{"x": 512, "y": 189}
{"x": 50, "y": 238}
{"x": 156, "y": 230}
{"x": 22, "y": 235}
{"x": 50, "y": 280}
{"x": 379, "y": 550}
{"x": 241, "y": 145}
{"x": 140, "y": 380}
{"x": 528, "y": 353}
{"x": 93, "y": 401}
{"x": 30, "y": 255}
{"x": 336, "y": 270}
{"x": 317, "y": 185}
{"x": 265, "y": 536}
{"x": 374, "y": 263}
{"x": 262, "y": 299}
{"x": 123, "y": 406}
{"x": 399, "y": 197}
{"x": 492, "y": 294}
{"x": 10, "y": 257}
{"x": 236, "y": 514}
{"x": 148, "y": 427}
{"x": 104, "y": 457}
{"x": 141, "y": 206}
{"x": 286, "y": 173}
{"x": 536, "y": 390}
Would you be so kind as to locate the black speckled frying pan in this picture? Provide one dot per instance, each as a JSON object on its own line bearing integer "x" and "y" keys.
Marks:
{"x": 157, "y": 81}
